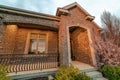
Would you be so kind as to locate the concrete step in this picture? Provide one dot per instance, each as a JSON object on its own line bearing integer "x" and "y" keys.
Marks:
{"x": 89, "y": 70}
{"x": 100, "y": 79}
{"x": 94, "y": 74}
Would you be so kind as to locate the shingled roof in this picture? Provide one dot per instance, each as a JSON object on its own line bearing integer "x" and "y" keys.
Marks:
{"x": 8, "y": 9}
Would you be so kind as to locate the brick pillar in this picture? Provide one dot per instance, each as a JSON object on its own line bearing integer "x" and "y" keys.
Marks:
{"x": 64, "y": 45}
{"x": 93, "y": 51}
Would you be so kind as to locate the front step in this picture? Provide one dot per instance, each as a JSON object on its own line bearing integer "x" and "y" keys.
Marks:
{"x": 101, "y": 79}
{"x": 89, "y": 70}
{"x": 93, "y": 73}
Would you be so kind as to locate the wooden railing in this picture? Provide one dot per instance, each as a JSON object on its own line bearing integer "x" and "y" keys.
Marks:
{"x": 23, "y": 62}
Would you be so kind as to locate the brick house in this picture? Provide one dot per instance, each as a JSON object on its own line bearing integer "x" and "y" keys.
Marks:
{"x": 68, "y": 34}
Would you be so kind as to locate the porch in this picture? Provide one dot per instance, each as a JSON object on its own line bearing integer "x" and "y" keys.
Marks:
{"x": 24, "y": 62}
{"x": 36, "y": 74}
{"x": 46, "y": 72}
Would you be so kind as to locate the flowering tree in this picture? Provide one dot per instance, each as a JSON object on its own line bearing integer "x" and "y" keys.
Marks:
{"x": 107, "y": 44}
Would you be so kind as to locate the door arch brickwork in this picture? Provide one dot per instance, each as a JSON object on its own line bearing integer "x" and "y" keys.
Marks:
{"x": 80, "y": 49}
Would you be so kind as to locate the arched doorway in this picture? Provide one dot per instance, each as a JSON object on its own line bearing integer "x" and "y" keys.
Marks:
{"x": 80, "y": 47}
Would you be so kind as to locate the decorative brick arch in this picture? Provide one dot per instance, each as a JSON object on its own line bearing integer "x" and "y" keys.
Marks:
{"x": 81, "y": 44}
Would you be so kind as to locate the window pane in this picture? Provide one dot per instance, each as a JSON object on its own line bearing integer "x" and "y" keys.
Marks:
{"x": 37, "y": 43}
{"x": 41, "y": 45}
{"x": 33, "y": 45}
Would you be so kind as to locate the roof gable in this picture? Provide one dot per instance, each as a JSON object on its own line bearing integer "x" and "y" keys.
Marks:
{"x": 75, "y": 4}
{"x": 65, "y": 10}
{"x": 71, "y": 6}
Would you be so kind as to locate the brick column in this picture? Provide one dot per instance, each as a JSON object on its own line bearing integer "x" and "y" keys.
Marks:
{"x": 64, "y": 44}
{"x": 93, "y": 52}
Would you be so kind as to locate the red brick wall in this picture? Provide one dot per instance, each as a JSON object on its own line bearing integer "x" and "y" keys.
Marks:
{"x": 14, "y": 40}
{"x": 76, "y": 17}
{"x": 8, "y": 41}
{"x": 20, "y": 41}
{"x": 21, "y": 38}
{"x": 52, "y": 42}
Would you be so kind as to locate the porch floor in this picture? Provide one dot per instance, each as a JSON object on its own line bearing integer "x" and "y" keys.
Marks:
{"x": 81, "y": 66}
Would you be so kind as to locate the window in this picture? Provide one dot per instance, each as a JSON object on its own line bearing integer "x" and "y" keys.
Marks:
{"x": 37, "y": 43}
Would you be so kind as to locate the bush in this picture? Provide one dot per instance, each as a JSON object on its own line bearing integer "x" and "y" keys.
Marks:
{"x": 3, "y": 70}
{"x": 111, "y": 72}
{"x": 83, "y": 76}
{"x": 70, "y": 73}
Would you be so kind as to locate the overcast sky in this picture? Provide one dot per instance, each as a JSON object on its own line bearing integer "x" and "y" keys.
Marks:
{"x": 94, "y": 7}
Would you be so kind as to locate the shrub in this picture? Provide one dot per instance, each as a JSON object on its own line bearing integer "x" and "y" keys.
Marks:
{"x": 83, "y": 76}
{"x": 3, "y": 74}
{"x": 111, "y": 72}
{"x": 70, "y": 73}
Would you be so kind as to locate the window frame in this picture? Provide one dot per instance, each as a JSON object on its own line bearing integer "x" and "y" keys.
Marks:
{"x": 27, "y": 46}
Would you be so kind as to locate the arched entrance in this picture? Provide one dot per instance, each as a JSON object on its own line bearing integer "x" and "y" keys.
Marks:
{"x": 80, "y": 47}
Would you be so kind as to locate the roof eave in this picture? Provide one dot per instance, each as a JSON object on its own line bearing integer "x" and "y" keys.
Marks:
{"x": 27, "y": 12}
{"x": 61, "y": 11}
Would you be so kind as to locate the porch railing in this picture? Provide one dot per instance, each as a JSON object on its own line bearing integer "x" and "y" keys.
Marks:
{"x": 24, "y": 62}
